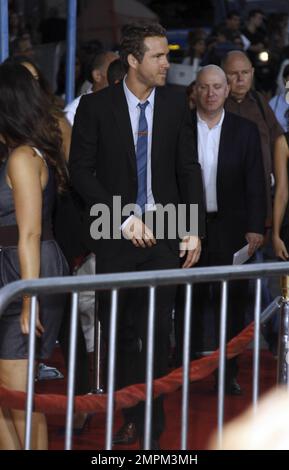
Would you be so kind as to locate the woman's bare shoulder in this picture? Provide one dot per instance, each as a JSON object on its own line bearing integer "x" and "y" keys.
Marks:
{"x": 24, "y": 156}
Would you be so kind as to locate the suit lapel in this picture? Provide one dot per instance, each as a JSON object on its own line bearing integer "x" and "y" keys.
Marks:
{"x": 121, "y": 114}
{"x": 195, "y": 130}
{"x": 159, "y": 124}
{"x": 224, "y": 151}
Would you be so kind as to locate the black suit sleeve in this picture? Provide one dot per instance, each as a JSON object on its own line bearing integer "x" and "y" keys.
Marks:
{"x": 189, "y": 170}
{"x": 83, "y": 155}
{"x": 255, "y": 183}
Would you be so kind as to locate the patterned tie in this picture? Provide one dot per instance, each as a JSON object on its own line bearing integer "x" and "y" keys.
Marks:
{"x": 141, "y": 157}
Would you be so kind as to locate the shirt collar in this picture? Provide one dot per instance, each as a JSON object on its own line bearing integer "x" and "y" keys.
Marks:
{"x": 132, "y": 100}
{"x": 204, "y": 123}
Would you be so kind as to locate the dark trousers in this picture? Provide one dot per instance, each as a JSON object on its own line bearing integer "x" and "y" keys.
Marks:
{"x": 132, "y": 323}
{"x": 206, "y": 302}
{"x": 68, "y": 226}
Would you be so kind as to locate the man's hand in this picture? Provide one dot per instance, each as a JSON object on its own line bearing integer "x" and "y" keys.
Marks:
{"x": 255, "y": 240}
{"x": 140, "y": 235}
{"x": 191, "y": 245}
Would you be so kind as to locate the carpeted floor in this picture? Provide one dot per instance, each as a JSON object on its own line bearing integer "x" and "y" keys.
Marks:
{"x": 203, "y": 406}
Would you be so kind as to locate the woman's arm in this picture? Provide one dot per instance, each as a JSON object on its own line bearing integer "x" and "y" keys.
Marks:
{"x": 281, "y": 155}
{"x": 27, "y": 175}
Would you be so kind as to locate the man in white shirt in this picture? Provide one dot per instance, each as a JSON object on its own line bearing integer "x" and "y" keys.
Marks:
{"x": 99, "y": 68}
{"x": 229, "y": 152}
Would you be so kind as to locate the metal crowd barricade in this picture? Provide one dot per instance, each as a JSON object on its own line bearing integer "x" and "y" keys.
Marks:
{"x": 153, "y": 279}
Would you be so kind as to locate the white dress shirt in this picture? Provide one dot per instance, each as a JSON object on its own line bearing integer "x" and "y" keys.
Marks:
{"x": 134, "y": 114}
{"x": 71, "y": 108}
{"x": 208, "y": 150}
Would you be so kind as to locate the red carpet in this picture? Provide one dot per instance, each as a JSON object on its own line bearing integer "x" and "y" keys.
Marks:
{"x": 203, "y": 406}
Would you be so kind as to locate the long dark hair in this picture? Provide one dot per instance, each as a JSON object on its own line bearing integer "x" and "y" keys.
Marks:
{"x": 41, "y": 80}
{"x": 26, "y": 118}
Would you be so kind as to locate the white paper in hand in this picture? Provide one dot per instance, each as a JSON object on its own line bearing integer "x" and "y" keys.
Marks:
{"x": 241, "y": 256}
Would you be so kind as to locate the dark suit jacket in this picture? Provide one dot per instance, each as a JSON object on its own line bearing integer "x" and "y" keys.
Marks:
{"x": 241, "y": 198}
{"x": 103, "y": 161}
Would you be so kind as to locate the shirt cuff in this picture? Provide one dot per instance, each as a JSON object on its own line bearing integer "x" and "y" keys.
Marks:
{"x": 122, "y": 227}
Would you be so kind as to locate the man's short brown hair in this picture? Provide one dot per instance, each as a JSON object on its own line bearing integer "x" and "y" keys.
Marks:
{"x": 133, "y": 36}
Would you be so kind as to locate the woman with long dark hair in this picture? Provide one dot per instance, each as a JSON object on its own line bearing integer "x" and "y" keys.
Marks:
{"x": 32, "y": 171}
{"x": 67, "y": 225}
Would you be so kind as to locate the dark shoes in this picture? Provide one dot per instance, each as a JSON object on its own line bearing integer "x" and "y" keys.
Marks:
{"x": 126, "y": 435}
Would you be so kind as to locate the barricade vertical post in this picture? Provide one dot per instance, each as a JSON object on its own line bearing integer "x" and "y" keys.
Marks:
{"x": 149, "y": 369}
{"x": 283, "y": 346}
{"x": 97, "y": 385}
{"x": 4, "y": 30}
{"x": 30, "y": 374}
{"x": 71, "y": 371}
{"x": 111, "y": 369}
{"x": 186, "y": 366}
{"x": 222, "y": 361}
{"x": 256, "y": 365}
{"x": 70, "y": 50}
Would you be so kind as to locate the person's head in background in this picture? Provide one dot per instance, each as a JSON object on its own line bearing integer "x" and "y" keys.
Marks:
{"x": 88, "y": 51}
{"x": 37, "y": 74}
{"x": 190, "y": 92}
{"x": 196, "y": 46}
{"x": 221, "y": 34}
{"x": 211, "y": 91}
{"x": 61, "y": 75}
{"x": 255, "y": 19}
{"x": 240, "y": 74}
{"x": 233, "y": 21}
{"x": 23, "y": 46}
{"x": 99, "y": 67}
{"x": 115, "y": 72}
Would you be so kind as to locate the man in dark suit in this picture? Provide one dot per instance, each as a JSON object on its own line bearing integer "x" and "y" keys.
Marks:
{"x": 135, "y": 140}
{"x": 230, "y": 155}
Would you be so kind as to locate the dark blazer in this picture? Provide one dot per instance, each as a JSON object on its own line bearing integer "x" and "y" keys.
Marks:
{"x": 241, "y": 196}
{"x": 103, "y": 162}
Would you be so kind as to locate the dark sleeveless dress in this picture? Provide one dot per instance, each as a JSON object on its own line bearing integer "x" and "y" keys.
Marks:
{"x": 13, "y": 344}
{"x": 284, "y": 232}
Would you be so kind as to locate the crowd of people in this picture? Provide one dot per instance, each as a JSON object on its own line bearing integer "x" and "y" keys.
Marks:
{"x": 263, "y": 38}
{"x": 221, "y": 147}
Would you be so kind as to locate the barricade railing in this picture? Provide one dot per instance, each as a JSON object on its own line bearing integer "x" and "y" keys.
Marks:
{"x": 151, "y": 280}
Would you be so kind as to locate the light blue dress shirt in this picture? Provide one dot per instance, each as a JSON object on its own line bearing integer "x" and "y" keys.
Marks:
{"x": 134, "y": 113}
{"x": 279, "y": 107}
